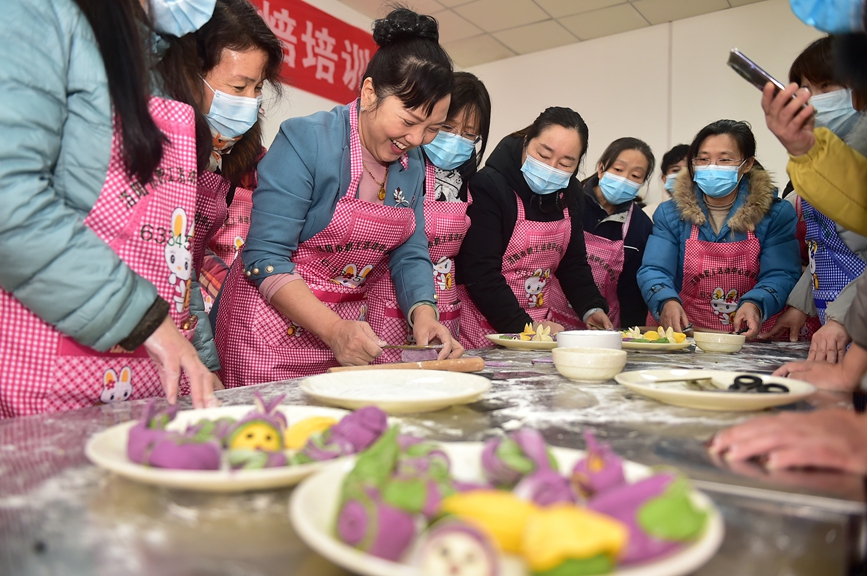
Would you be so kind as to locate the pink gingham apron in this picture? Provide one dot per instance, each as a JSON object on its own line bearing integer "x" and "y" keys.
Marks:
{"x": 43, "y": 370}
{"x": 258, "y": 344}
{"x": 231, "y": 236}
{"x": 445, "y": 225}
{"x": 211, "y": 214}
{"x": 531, "y": 258}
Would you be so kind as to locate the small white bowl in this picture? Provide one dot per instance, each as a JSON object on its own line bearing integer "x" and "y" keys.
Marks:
{"x": 589, "y": 364}
{"x": 590, "y": 339}
{"x": 720, "y": 343}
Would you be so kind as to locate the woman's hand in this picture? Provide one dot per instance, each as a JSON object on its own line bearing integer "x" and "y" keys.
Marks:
{"x": 822, "y": 439}
{"x": 749, "y": 314}
{"x": 172, "y": 353}
{"x": 821, "y": 374}
{"x": 791, "y": 120}
{"x": 426, "y": 329}
{"x": 353, "y": 342}
{"x": 216, "y": 383}
{"x": 829, "y": 343}
{"x": 673, "y": 316}
{"x": 599, "y": 321}
{"x": 553, "y": 327}
{"x": 792, "y": 320}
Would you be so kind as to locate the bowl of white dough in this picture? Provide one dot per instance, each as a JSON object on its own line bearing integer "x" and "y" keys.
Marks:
{"x": 589, "y": 364}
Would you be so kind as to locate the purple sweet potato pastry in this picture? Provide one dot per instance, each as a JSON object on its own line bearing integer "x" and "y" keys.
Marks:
{"x": 148, "y": 432}
{"x": 256, "y": 459}
{"x": 376, "y": 528}
{"x": 324, "y": 446}
{"x": 266, "y": 414}
{"x": 506, "y": 461}
{"x": 461, "y": 486}
{"x": 180, "y": 453}
{"x": 453, "y": 548}
{"x": 545, "y": 487}
{"x": 600, "y": 470}
{"x": 361, "y": 428}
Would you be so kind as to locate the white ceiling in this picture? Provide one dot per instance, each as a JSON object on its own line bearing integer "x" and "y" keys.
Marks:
{"x": 479, "y": 31}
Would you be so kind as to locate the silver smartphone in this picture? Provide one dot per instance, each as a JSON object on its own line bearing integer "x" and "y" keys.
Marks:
{"x": 751, "y": 71}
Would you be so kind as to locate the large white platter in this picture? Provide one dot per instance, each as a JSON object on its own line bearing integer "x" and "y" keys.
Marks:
{"x": 108, "y": 450}
{"x": 313, "y": 508}
{"x": 677, "y": 393}
{"x": 396, "y": 391}
{"x": 520, "y": 344}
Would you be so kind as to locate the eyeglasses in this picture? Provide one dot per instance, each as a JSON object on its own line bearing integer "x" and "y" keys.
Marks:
{"x": 474, "y": 138}
{"x": 720, "y": 162}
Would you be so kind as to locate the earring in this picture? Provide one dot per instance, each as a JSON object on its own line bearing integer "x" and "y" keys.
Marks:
{"x": 362, "y": 108}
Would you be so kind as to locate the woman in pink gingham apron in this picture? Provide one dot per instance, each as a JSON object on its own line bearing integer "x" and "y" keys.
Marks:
{"x": 132, "y": 230}
{"x": 522, "y": 236}
{"x": 339, "y": 192}
{"x": 450, "y": 161}
{"x": 723, "y": 254}
{"x": 614, "y": 232}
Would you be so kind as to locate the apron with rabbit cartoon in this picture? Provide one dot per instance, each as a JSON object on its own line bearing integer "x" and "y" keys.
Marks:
{"x": 150, "y": 228}
{"x": 832, "y": 264}
{"x": 445, "y": 224}
{"x": 715, "y": 276}
{"x": 256, "y": 343}
{"x": 531, "y": 258}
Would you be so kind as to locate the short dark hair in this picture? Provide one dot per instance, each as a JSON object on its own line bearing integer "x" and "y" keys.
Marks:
{"x": 741, "y": 131}
{"x": 621, "y": 145}
{"x": 557, "y": 116}
{"x": 410, "y": 62}
{"x": 470, "y": 94}
{"x": 815, "y": 63}
{"x": 673, "y": 156}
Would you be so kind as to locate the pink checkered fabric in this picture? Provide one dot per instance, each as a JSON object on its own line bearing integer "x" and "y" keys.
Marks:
{"x": 258, "y": 344}
{"x": 531, "y": 258}
{"x": 445, "y": 225}
{"x": 211, "y": 213}
{"x": 231, "y": 236}
{"x": 43, "y": 370}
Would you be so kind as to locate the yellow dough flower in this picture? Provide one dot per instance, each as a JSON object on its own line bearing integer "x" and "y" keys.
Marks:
{"x": 298, "y": 433}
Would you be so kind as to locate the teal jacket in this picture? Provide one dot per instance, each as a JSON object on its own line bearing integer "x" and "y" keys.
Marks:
{"x": 55, "y": 117}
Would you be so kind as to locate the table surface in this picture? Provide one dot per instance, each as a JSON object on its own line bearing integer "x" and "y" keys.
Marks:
{"x": 60, "y": 514}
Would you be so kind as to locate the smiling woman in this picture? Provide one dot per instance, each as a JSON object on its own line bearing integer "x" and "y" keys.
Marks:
{"x": 339, "y": 193}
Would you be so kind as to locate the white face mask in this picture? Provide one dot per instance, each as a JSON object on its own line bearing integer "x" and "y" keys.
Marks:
{"x": 232, "y": 116}
{"x": 834, "y": 111}
{"x": 179, "y": 17}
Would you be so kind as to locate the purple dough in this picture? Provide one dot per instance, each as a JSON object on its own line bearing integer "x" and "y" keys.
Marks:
{"x": 461, "y": 486}
{"x": 623, "y": 503}
{"x": 361, "y": 428}
{"x": 376, "y": 528}
{"x": 149, "y": 431}
{"x": 545, "y": 487}
{"x": 180, "y": 453}
{"x": 323, "y": 446}
{"x": 419, "y": 355}
{"x": 533, "y": 456}
{"x": 256, "y": 459}
{"x": 600, "y": 470}
{"x": 543, "y": 360}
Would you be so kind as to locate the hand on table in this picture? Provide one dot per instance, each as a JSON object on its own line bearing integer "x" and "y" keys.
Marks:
{"x": 789, "y": 119}
{"x": 353, "y": 342}
{"x": 172, "y": 354}
{"x": 426, "y": 329}
{"x": 792, "y": 320}
{"x": 820, "y": 374}
{"x": 829, "y": 343}
{"x": 822, "y": 439}
{"x": 599, "y": 321}
{"x": 749, "y": 314}
{"x": 673, "y": 316}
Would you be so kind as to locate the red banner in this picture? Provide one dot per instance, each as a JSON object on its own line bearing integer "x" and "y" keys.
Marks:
{"x": 322, "y": 54}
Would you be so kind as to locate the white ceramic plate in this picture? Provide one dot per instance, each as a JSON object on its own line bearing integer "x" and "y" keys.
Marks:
{"x": 396, "y": 391}
{"x": 108, "y": 450}
{"x": 652, "y": 347}
{"x": 520, "y": 344}
{"x": 313, "y": 508}
{"x": 677, "y": 393}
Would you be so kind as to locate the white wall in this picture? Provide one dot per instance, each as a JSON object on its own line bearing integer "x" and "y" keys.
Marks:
{"x": 661, "y": 84}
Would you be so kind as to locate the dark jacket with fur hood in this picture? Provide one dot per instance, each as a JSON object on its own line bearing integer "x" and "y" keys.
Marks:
{"x": 757, "y": 208}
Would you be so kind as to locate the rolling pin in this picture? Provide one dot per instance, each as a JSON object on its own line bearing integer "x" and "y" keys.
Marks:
{"x": 455, "y": 365}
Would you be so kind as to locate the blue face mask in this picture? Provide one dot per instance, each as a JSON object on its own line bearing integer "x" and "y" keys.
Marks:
{"x": 717, "y": 181}
{"x": 231, "y": 115}
{"x": 448, "y": 151}
{"x": 832, "y": 16}
{"x": 179, "y": 17}
{"x": 834, "y": 111}
{"x": 618, "y": 189}
{"x": 544, "y": 179}
{"x": 670, "y": 180}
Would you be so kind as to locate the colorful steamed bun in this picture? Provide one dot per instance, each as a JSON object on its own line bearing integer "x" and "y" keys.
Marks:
{"x": 505, "y": 461}
{"x": 150, "y": 444}
{"x": 454, "y": 548}
{"x": 658, "y": 513}
{"x": 544, "y": 488}
{"x": 354, "y": 433}
{"x": 261, "y": 429}
{"x": 299, "y": 433}
{"x": 599, "y": 470}
{"x": 498, "y": 513}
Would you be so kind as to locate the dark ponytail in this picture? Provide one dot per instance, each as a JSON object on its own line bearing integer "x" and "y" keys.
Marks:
{"x": 116, "y": 26}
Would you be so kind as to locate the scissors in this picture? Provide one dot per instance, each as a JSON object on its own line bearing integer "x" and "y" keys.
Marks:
{"x": 755, "y": 384}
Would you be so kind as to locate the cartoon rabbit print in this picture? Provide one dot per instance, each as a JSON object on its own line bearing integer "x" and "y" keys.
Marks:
{"x": 179, "y": 258}
{"x": 535, "y": 285}
{"x": 114, "y": 388}
{"x": 724, "y": 305}
{"x": 352, "y": 276}
{"x": 443, "y": 273}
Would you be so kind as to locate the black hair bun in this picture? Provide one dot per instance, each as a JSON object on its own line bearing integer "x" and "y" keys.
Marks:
{"x": 404, "y": 24}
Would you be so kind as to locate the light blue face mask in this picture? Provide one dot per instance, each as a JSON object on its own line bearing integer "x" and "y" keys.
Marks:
{"x": 232, "y": 116}
{"x": 618, "y": 189}
{"x": 832, "y": 16}
{"x": 544, "y": 179}
{"x": 834, "y": 111}
{"x": 448, "y": 151}
{"x": 179, "y": 17}
{"x": 717, "y": 181}
{"x": 670, "y": 180}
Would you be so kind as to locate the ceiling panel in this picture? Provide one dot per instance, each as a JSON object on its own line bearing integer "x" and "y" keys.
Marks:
{"x": 535, "y": 37}
{"x": 494, "y": 15}
{"x": 560, "y": 8}
{"x": 453, "y": 27}
{"x": 743, "y": 2}
{"x": 453, "y": 3}
{"x": 604, "y": 22}
{"x": 477, "y": 50}
{"x": 660, "y": 11}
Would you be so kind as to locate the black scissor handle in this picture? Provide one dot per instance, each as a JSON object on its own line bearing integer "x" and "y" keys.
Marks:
{"x": 748, "y": 383}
